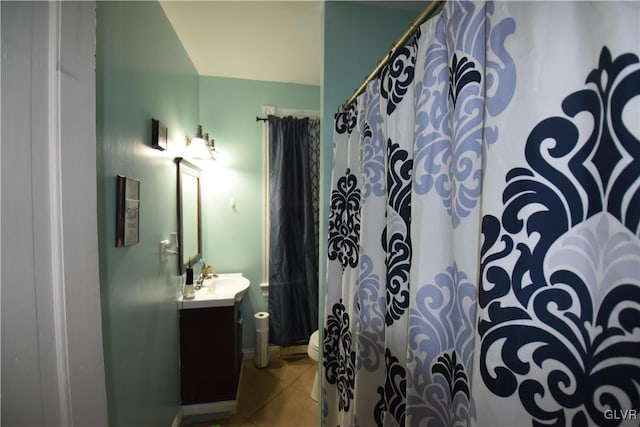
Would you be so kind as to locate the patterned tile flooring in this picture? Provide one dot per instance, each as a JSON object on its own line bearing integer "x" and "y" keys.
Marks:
{"x": 276, "y": 396}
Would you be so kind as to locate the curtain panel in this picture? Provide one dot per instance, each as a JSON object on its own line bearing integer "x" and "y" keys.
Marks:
{"x": 293, "y": 251}
{"x": 483, "y": 251}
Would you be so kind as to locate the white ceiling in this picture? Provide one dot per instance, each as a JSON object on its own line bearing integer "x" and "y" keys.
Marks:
{"x": 255, "y": 39}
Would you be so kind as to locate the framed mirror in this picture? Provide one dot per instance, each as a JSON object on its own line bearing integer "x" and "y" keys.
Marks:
{"x": 189, "y": 214}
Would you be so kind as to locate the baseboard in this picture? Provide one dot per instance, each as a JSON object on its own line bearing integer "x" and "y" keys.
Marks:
{"x": 178, "y": 418}
{"x": 227, "y": 407}
{"x": 293, "y": 351}
{"x": 277, "y": 351}
{"x": 250, "y": 353}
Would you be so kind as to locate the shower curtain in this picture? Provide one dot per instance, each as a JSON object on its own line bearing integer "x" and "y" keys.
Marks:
{"x": 484, "y": 251}
{"x": 293, "y": 249}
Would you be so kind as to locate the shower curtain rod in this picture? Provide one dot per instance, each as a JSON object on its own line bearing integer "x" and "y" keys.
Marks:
{"x": 427, "y": 13}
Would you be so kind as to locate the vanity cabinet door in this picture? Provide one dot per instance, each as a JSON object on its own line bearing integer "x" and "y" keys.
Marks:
{"x": 208, "y": 354}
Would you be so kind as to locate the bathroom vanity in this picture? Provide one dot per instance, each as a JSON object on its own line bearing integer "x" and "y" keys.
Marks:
{"x": 211, "y": 345}
{"x": 210, "y": 354}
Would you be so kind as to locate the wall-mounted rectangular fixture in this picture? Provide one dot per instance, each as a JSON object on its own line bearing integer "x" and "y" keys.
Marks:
{"x": 127, "y": 211}
{"x": 159, "y": 135}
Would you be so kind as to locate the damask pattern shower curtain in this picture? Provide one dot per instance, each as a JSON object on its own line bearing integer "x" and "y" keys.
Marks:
{"x": 484, "y": 226}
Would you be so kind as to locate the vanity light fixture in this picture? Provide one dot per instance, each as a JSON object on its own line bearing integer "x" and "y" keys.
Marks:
{"x": 199, "y": 147}
{"x": 212, "y": 148}
{"x": 211, "y": 143}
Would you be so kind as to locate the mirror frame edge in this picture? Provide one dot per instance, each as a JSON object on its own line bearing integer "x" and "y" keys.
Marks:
{"x": 184, "y": 166}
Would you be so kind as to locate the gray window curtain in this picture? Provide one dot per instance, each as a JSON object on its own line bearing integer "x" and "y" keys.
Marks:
{"x": 293, "y": 263}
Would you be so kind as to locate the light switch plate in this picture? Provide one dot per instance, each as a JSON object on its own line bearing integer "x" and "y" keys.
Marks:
{"x": 164, "y": 250}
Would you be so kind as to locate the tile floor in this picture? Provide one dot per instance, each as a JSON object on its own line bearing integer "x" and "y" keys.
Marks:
{"x": 276, "y": 396}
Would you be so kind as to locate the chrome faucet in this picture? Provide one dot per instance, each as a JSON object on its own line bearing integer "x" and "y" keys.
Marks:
{"x": 199, "y": 282}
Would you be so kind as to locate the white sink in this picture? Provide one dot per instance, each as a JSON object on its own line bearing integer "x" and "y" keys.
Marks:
{"x": 218, "y": 291}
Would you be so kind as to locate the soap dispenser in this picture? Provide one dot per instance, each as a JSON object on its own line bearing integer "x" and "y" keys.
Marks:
{"x": 189, "y": 292}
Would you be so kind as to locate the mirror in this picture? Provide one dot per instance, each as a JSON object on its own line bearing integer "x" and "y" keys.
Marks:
{"x": 189, "y": 214}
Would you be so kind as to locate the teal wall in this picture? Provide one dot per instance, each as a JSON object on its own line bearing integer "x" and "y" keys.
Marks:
{"x": 233, "y": 239}
{"x": 356, "y": 37}
{"x": 142, "y": 72}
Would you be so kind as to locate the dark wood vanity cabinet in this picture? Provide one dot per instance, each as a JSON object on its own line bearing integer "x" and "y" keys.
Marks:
{"x": 210, "y": 354}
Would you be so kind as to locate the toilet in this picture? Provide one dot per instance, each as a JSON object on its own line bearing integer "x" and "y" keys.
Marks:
{"x": 312, "y": 351}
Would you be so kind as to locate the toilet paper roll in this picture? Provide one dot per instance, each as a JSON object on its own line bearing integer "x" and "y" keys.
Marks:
{"x": 262, "y": 339}
{"x": 261, "y": 320}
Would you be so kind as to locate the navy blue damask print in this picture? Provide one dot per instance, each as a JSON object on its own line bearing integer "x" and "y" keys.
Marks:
{"x": 344, "y": 221}
{"x": 397, "y": 76}
{"x": 393, "y": 398}
{"x": 339, "y": 360}
{"x": 416, "y": 38}
{"x": 453, "y": 372}
{"x": 380, "y": 408}
{"x": 564, "y": 319}
{"x": 461, "y": 73}
{"x": 345, "y": 121}
{"x": 396, "y": 238}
